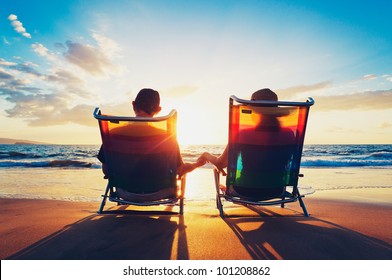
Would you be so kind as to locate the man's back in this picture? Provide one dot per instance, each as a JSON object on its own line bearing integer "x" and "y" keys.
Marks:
{"x": 141, "y": 157}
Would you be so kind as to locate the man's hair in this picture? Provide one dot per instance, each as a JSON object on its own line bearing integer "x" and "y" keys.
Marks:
{"x": 147, "y": 100}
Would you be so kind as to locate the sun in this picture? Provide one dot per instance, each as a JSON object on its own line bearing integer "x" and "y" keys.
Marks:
{"x": 198, "y": 122}
{"x": 193, "y": 134}
{"x": 200, "y": 130}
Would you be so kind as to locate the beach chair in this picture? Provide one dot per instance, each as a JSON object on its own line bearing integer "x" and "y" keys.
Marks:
{"x": 141, "y": 157}
{"x": 264, "y": 153}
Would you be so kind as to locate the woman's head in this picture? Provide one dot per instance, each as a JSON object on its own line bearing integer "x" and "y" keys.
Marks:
{"x": 264, "y": 94}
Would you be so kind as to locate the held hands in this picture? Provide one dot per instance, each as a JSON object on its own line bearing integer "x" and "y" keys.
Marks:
{"x": 215, "y": 161}
{"x": 219, "y": 162}
{"x": 188, "y": 167}
{"x": 200, "y": 161}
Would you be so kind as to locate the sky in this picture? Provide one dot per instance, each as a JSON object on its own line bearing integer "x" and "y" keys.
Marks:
{"x": 61, "y": 59}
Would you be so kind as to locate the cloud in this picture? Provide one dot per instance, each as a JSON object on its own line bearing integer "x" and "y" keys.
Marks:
{"x": 66, "y": 77}
{"x": 81, "y": 114}
{"x": 48, "y": 109}
{"x": 57, "y": 91}
{"x": 368, "y": 100}
{"x": 6, "y": 63}
{"x": 106, "y": 45}
{"x": 69, "y": 82}
{"x": 293, "y": 91}
{"x": 40, "y": 49}
{"x": 27, "y": 68}
{"x": 87, "y": 57}
{"x": 51, "y": 102}
{"x": 5, "y": 75}
{"x": 369, "y": 77}
{"x": 386, "y": 125}
{"x": 12, "y": 17}
{"x": 18, "y": 26}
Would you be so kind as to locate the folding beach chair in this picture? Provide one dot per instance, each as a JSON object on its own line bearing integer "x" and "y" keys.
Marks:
{"x": 141, "y": 156}
{"x": 264, "y": 153}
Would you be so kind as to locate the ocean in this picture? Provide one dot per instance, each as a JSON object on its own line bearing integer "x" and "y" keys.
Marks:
{"x": 72, "y": 172}
{"x": 84, "y": 156}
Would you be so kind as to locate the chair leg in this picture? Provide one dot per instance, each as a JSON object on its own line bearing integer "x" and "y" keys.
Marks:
{"x": 301, "y": 202}
{"x": 181, "y": 206}
{"x": 105, "y": 196}
{"x": 219, "y": 205}
{"x": 182, "y": 187}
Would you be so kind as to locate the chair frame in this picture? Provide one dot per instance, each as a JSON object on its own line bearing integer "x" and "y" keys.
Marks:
{"x": 110, "y": 189}
{"x": 286, "y": 197}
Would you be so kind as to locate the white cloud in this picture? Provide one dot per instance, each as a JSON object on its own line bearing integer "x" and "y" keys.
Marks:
{"x": 41, "y": 50}
{"x": 58, "y": 91}
{"x": 55, "y": 96}
{"x": 369, "y": 77}
{"x": 12, "y": 17}
{"x": 6, "y": 63}
{"x": 18, "y": 26}
{"x": 106, "y": 45}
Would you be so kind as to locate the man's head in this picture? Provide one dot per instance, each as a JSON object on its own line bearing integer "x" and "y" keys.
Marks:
{"x": 147, "y": 103}
{"x": 264, "y": 94}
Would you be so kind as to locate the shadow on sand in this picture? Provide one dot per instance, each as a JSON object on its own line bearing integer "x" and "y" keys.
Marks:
{"x": 116, "y": 235}
{"x": 265, "y": 234}
{"x": 270, "y": 235}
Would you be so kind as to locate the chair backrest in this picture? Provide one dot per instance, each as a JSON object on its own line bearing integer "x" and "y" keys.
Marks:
{"x": 141, "y": 154}
{"x": 265, "y": 144}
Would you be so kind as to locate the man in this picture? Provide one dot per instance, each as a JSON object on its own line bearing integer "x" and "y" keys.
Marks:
{"x": 147, "y": 104}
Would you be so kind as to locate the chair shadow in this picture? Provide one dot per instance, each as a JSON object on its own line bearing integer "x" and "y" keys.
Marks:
{"x": 270, "y": 235}
{"x": 118, "y": 235}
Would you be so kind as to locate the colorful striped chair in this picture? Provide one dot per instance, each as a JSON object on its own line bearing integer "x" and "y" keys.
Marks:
{"x": 141, "y": 157}
{"x": 264, "y": 153}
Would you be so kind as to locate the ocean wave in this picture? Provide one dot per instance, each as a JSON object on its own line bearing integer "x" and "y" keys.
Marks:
{"x": 381, "y": 154}
{"x": 50, "y": 164}
{"x": 14, "y": 154}
{"x": 69, "y": 163}
{"x": 79, "y": 156}
{"x": 345, "y": 163}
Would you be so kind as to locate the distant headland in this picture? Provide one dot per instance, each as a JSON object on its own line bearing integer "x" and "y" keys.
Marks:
{"x": 20, "y": 142}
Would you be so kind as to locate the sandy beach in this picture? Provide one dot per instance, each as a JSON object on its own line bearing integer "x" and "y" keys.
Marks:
{"x": 348, "y": 224}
